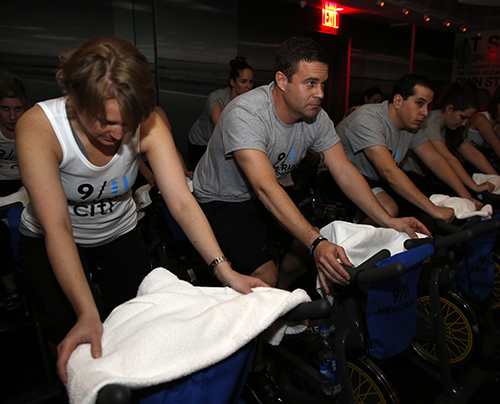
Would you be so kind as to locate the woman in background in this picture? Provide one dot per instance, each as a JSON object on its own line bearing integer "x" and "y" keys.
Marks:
{"x": 484, "y": 131}
{"x": 240, "y": 81}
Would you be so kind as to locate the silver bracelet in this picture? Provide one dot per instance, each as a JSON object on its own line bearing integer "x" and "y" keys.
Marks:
{"x": 218, "y": 261}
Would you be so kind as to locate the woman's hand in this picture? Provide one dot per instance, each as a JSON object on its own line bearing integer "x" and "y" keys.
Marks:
{"x": 241, "y": 283}
{"x": 88, "y": 329}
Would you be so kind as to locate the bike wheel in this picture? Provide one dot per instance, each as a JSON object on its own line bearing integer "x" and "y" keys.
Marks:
{"x": 495, "y": 294}
{"x": 369, "y": 385}
{"x": 461, "y": 329}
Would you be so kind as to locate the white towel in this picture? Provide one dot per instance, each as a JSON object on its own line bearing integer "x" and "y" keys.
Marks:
{"x": 362, "y": 241}
{"x": 480, "y": 178}
{"x": 172, "y": 329}
{"x": 463, "y": 207}
{"x": 141, "y": 197}
{"x": 19, "y": 196}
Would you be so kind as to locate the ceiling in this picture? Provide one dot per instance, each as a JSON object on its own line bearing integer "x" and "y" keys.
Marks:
{"x": 476, "y": 15}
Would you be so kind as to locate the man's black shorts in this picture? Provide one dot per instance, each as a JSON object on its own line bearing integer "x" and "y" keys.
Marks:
{"x": 240, "y": 229}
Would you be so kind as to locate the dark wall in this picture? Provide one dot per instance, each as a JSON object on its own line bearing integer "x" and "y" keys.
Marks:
{"x": 195, "y": 40}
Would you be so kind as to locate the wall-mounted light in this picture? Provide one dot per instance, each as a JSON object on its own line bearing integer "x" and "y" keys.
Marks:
{"x": 405, "y": 11}
{"x": 446, "y": 23}
{"x": 380, "y": 3}
{"x": 427, "y": 17}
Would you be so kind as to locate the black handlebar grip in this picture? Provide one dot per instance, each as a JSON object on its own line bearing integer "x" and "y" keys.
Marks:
{"x": 454, "y": 228}
{"x": 417, "y": 242}
{"x": 454, "y": 239}
{"x": 382, "y": 273}
{"x": 486, "y": 227}
{"x": 309, "y": 310}
{"x": 370, "y": 262}
{"x": 114, "y": 394}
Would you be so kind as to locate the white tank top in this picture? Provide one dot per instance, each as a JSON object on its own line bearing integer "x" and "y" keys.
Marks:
{"x": 9, "y": 169}
{"x": 100, "y": 200}
{"x": 474, "y": 136}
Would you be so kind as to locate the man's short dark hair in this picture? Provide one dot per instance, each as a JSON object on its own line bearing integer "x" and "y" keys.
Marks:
{"x": 405, "y": 86}
{"x": 293, "y": 51}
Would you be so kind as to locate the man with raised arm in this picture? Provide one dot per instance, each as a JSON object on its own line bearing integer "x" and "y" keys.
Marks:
{"x": 376, "y": 138}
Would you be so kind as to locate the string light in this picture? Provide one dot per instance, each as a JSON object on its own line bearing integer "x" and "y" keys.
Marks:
{"x": 446, "y": 23}
{"x": 405, "y": 11}
{"x": 427, "y": 18}
{"x": 380, "y": 3}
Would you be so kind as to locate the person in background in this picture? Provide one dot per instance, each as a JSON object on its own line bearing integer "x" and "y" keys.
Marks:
{"x": 376, "y": 138}
{"x": 372, "y": 95}
{"x": 144, "y": 169}
{"x": 13, "y": 104}
{"x": 446, "y": 127}
{"x": 484, "y": 131}
{"x": 240, "y": 81}
{"x": 78, "y": 158}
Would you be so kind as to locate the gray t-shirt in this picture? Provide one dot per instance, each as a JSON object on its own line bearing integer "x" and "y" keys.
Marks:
{"x": 250, "y": 122}
{"x": 370, "y": 125}
{"x": 431, "y": 128}
{"x": 202, "y": 129}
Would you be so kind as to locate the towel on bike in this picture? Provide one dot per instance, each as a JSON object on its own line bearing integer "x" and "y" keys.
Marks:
{"x": 391, "y": 309}
{"x": 480, "y": 178}
{"x": 172, "y": 329}
{"x": 361, "y": 241}
{"x": 463, "y": 207}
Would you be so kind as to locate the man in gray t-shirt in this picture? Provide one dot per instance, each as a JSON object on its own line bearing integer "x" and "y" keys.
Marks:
{"x": 261, "y": 136}
{"x": 377, "y": 137}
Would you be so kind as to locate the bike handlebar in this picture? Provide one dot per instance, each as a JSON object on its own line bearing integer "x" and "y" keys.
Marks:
{"x": 114, "y": 394}
{"x": 454, "y": 228}
{"x": 460, "y": 237}
{"x": 363, "y": 273}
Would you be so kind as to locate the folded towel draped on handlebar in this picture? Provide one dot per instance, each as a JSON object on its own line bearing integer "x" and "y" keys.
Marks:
{"x": 172, "y": 329}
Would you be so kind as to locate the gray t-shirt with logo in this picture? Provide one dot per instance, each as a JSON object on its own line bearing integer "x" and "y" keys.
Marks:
{"x": 370, "y": 125}
{"x": 431, "y": 128}
{"x": 250, "y": 122}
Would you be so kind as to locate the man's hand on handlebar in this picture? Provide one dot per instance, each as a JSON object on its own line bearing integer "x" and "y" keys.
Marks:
{"x": 410, "y": 226}
{"x": 485, "y": 187}
{"x": 443, "y": 213}
{"x": 326, "y": 255}
{"x": 477, "y": 204}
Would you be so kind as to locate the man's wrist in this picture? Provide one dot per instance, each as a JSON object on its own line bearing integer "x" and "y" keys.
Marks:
{"x": 315, "y": 244}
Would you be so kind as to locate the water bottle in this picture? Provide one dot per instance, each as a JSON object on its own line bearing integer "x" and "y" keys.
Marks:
{"x": 330, "y": 380}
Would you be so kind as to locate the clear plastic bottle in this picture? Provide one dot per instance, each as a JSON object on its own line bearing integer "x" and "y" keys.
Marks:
{"x": 330, "y": 378}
